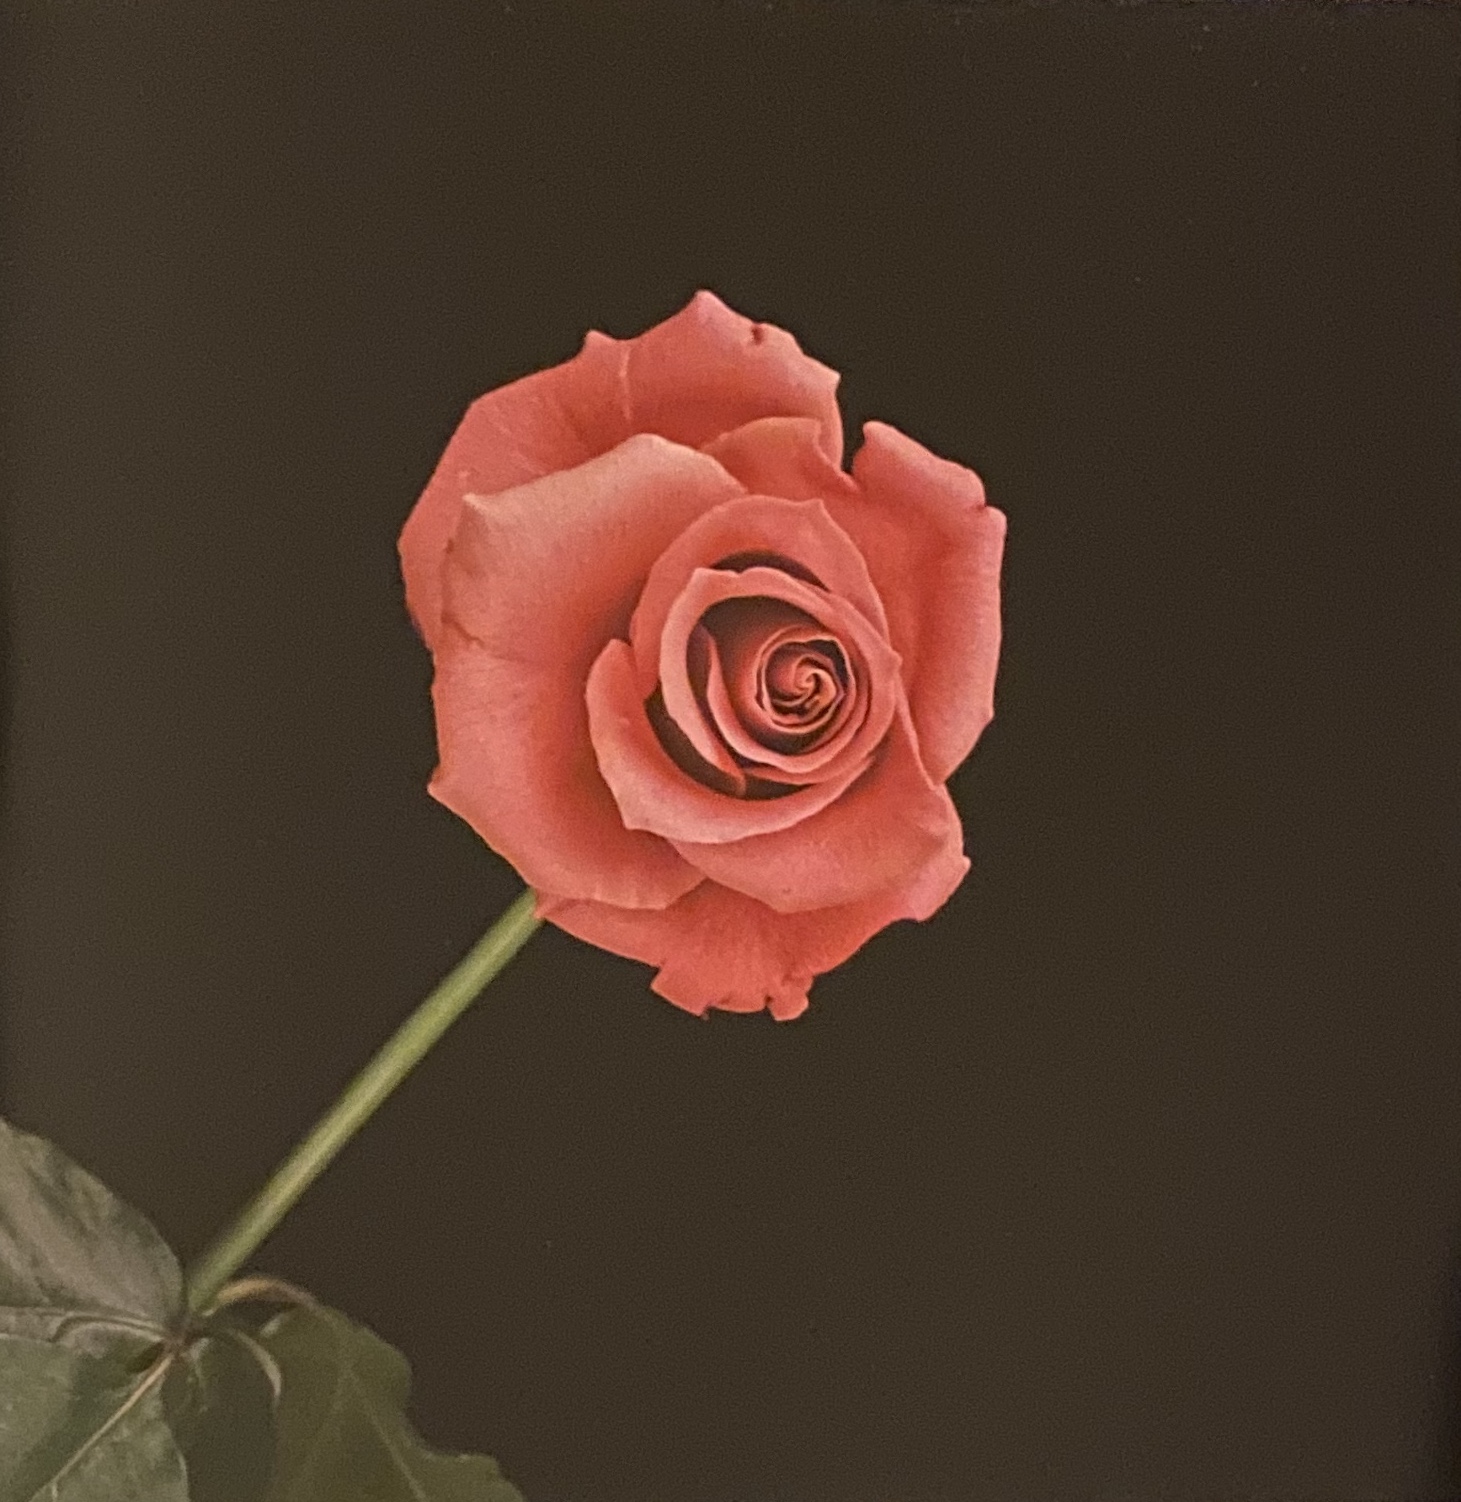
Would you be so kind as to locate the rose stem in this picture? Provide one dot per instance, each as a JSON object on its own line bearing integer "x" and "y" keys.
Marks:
{"x": 394, "y": 1061}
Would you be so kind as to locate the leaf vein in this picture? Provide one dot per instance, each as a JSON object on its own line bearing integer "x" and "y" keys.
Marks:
{"x": 149, "y": 1379}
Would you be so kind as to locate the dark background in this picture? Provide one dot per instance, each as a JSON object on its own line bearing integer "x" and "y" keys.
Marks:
{"x": 1135, "y": 1173}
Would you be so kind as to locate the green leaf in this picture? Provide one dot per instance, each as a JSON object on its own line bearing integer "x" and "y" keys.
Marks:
{"x": 96, "y": 1368}
{"x": 76, "y": 1427}
{"x": 343, "y": 1431}
{"x": 73, "y": 1256}
{"x": 219, "y": 1400}
{"x": 107, "y": 1394}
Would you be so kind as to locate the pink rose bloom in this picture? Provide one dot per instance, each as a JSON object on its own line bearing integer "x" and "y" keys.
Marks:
{"x": 699, "y": 685}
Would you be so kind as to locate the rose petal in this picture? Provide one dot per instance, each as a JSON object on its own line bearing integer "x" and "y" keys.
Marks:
{"x": 800, "y": 531}
{"x": 933, "y": 548}
{"x": 538, "y": 578}
{"x": 876, "y": 665}
{"x": 708, "y": 368}
{"x": 688, "y": 649}
{"x": 715, "y": 948}
{"x": 697, "y": 661}
{"x": 651, "y": 790}
{"x": 890, "y": 823}
{"x": 516, "y": 764}
{"x": 701, "y": 371}
{"x": 717, "y": 768}
{"x": 551, "y": 420}
{"x": 548, "y": 571}
{"x": 782, "y": 456}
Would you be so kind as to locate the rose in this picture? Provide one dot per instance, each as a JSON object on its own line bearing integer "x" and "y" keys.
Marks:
{"x": 700, "y": 686}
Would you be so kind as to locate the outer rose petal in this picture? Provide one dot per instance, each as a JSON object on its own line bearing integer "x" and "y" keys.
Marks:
{"x": 718, "y": 949}
{"x": 538, "y": 578}
{"x": 709, "y": 369}
{"x": 891, "y": 823}
{"x": 553, "y": 419}
{"x": 517, "y": 765}
{"x": 933, "y": 548}
{"x": 548, "y": 571}
{"x": 698, "y": 373}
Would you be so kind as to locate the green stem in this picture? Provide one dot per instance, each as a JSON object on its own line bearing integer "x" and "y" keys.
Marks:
{"x": 354, "y": 1108}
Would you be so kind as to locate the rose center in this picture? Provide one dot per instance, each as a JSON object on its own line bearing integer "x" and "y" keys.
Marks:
{"x": 771, "y": 694}
{"x": 801, "y": 683}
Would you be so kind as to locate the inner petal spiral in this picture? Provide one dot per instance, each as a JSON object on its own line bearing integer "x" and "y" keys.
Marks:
{"x": 802, "y": 682}
{"x": 768, "y": 685}
{"x": 777, "y": 680}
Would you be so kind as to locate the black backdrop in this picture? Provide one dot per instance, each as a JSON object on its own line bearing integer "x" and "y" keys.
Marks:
{"x": 1137, "y": 1171}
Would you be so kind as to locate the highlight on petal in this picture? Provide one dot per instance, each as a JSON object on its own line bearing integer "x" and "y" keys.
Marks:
{"x": 538, "y": 578}
{"x": 551, "y": 420}
{"x": 717, "y": 949}
{"x": 934, "y": 550}
{"x": 707, "y": 369}
{"x": 891, "y": 822}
